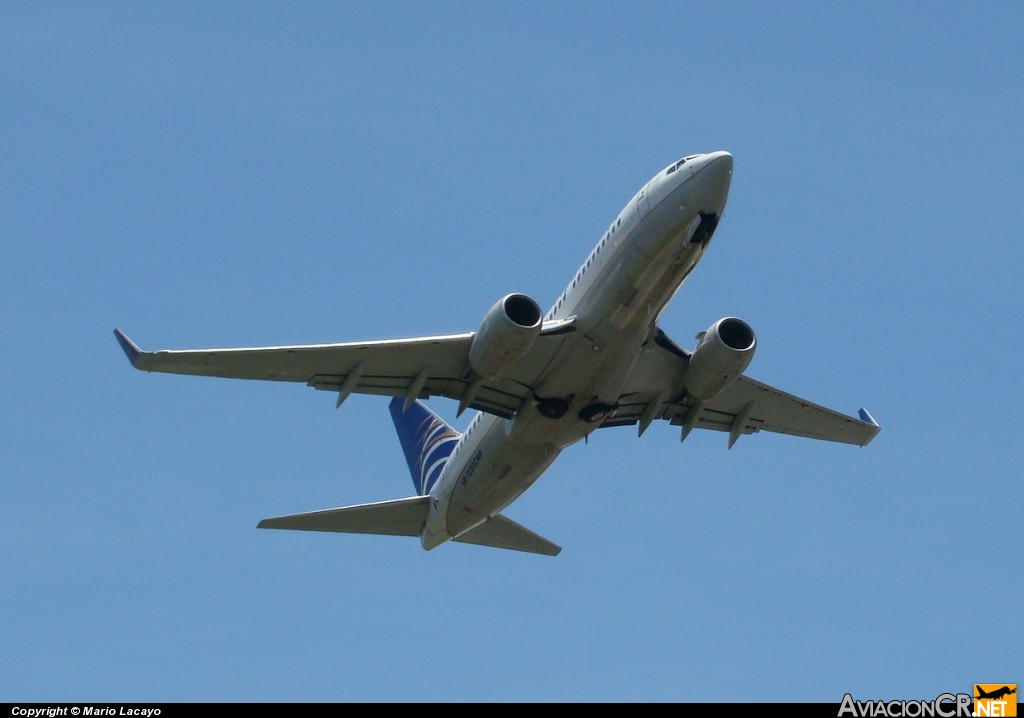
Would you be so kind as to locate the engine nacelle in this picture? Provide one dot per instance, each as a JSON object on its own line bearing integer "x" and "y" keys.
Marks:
{"x": 724, "y": 352}
{"x": 508, "y": 331}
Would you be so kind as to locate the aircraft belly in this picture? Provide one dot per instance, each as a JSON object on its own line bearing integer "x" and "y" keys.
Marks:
{"x": 502, "y": 472}
{"x": 650, "y": 290}
{"x": 589, "y": 373}
{"x": 635, "y": 289}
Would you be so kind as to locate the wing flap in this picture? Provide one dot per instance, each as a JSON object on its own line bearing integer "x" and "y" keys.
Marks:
{"x": 497, "y": 396}
{"x": 501, "y": 532}
{"x": 400, "y": 517}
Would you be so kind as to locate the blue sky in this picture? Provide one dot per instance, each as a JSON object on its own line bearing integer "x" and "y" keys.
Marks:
{"x": 244, "y": 174}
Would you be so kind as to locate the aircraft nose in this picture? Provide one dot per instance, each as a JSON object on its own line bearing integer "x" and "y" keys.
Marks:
{"x": 713, "y": 173}
{"x": 718, "y": 164}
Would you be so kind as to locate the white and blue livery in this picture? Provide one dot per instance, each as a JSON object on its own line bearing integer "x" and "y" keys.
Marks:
{"x": 541, "y": 382}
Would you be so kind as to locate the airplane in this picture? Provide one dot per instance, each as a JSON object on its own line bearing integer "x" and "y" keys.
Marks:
{"x": 541, "y": 382}
{"x": 996, "y": 694}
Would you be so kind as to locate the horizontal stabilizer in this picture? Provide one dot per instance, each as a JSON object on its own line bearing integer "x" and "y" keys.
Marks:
{"x": 401, "y": 517}
{"x": 500, "y": 532}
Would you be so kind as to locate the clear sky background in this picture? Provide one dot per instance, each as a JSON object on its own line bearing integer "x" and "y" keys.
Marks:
{"x": 242, "y": 174}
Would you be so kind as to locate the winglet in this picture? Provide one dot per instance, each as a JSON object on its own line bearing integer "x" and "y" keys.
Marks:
{"x": 131, "y": 349}
{"x": 865, "y": 416}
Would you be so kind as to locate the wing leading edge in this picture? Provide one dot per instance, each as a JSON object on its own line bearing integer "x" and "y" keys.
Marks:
{"x": 746, "y": 406}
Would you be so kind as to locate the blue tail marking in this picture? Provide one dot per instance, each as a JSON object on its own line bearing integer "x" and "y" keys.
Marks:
{"x": 426, "y": 440}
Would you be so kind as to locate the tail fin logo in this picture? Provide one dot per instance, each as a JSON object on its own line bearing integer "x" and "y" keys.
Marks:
{"x": 426, "y": 440}
{"x": 995, "y": 699}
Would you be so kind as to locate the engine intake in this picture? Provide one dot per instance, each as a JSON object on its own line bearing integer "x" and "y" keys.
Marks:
{"x": 507, "y": 332}
{"x": 723, "y": 353}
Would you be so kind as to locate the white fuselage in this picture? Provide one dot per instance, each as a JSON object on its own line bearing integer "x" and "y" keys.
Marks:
{"x": 616, "y": 297}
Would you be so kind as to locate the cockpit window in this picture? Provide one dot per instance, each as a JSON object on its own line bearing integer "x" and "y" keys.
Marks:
{"x": 679, "y": 164}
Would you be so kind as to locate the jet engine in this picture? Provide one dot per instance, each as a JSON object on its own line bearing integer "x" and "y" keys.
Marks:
{"x": 508, "y": 331}
{"x": 723, "y": 353}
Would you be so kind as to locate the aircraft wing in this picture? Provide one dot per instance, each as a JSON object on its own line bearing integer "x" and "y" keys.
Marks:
{"x": 415, "y": 368}
{"x": 654, "y": 391}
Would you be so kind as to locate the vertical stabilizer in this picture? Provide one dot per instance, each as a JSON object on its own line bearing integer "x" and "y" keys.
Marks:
{"x": 426, "y": 440}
